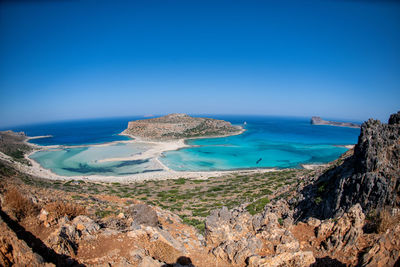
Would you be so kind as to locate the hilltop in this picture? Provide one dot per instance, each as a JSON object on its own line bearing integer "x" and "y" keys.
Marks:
{"x": 178, "y": 126}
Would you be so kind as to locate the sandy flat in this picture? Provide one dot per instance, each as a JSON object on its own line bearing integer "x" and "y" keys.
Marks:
{"x": 157, "y": 149}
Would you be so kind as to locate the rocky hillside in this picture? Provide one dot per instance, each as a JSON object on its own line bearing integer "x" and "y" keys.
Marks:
{"x": 370, "y": 176}
{"x": 176, "y": 126}
{"x": 12, "y": 144}
{"x": 319, "y": 121}
{"x": 326, "y": 222}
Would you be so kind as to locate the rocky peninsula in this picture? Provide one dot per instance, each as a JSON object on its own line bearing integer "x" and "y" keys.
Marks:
{"x": 319, "y": 121}
{"x": 180, "y": 126}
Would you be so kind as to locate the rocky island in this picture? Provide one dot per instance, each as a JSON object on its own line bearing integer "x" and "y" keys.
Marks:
{"x": 319, "y": 121}
{"x": 179, "y": 126}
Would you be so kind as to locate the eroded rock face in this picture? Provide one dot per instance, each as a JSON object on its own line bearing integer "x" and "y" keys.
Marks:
{"x": 385, "y": 251}
{"x": 236, "y": 235}
{"x": 341, "y": 238}
{"x": 231, "y": 235}
{"x": 370, "y": 177}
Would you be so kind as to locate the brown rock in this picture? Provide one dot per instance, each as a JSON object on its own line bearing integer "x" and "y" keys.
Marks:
{"x": 385, "y": 251}
{"x": 293, "y": 259}
{"x": 341, "y": 238}
{"x": 14, "y": 251}
{"x": 143, "y": 214}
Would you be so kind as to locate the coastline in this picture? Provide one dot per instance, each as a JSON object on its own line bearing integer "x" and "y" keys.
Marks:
{"x": 159, "y": 147}
{"x": 154, "y": 153}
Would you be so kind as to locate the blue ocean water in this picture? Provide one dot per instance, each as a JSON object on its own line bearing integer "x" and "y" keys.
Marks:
{"x": 78, "y": 132}
{"x": 282, "y": 142}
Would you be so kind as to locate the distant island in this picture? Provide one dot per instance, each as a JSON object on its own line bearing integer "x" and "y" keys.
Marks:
{"x": 179, "y": 126}
{"x": 319, "y": 121}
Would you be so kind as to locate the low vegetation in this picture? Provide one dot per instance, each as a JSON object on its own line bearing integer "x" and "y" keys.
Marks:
{"x": 60, "y": 209}
{"x": 380, "y": 221}
{"x": 191, "y": 199}
{"x": 11, "y": 144}
{"x": 19, "y": 205}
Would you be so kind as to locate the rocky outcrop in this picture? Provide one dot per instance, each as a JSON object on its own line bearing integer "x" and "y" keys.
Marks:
{"x": 177, "y": 126}
{"x": 64, "y": 240}
{"x": 319, "y": 121}
{"x": 236, "y": 237}
{"x": 231, "y": 235}
{"x": 341, "y": 239}
{"x": 370, "y": 177}
{"x": 385, "y": 251}
{"x": 143, "y": 214}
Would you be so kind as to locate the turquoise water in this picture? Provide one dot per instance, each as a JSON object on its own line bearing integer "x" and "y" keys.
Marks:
{"x": 77, "y": 161}
{"x": 268, "y": 142}
{"x": 281, "y": 142}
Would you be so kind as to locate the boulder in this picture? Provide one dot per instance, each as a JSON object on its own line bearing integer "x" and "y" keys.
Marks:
{"x": 143, "y": 214}
{"x": 85, "y": 225}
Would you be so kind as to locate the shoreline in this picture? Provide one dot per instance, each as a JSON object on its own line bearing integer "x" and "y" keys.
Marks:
{"x": 153, "y": 153}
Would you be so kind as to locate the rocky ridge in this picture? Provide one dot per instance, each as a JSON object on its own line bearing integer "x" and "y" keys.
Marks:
{"x": 177, "y": 126}
{"x": 370, "y": 176}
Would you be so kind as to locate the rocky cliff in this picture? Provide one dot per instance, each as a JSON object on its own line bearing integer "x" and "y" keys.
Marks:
{"x": 319, "y": 121}
{"x": 176, "y": 126}
{"x": 370, "y": 176}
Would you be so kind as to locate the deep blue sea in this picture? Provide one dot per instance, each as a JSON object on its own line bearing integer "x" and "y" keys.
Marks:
{"x": 78, "y": 132}
{"x": 282, "y": 142}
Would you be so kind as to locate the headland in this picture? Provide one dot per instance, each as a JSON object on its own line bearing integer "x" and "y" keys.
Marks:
{"x": 319, "y": 121}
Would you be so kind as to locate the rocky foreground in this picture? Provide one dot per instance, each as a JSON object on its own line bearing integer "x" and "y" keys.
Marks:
{"x": 178, "y": 126}
{"x": 345, "y": 214}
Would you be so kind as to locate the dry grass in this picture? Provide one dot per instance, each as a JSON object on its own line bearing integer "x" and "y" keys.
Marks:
{"x": 386, "y": 220}
{"x": 60, "y": 209}
{"x": 20, "y": 205}
{"x": 379, "y": 222}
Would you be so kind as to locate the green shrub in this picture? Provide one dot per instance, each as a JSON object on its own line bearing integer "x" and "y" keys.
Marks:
{"x": 318, "y": 200}
{"x": 180, "y": 181}
{"x": 257, "y": 206}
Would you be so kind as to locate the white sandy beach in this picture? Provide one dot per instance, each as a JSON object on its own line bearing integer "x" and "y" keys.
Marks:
{"x": 157, "y": 149}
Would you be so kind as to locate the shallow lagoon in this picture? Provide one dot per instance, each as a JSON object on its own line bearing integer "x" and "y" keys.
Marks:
{"x": 268, "y": 142}
{"x": 76, "y": 161}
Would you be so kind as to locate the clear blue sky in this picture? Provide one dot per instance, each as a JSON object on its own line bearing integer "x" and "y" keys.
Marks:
{"x": 81, "y": 59}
